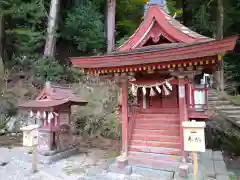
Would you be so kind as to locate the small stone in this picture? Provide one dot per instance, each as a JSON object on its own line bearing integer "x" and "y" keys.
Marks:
{"x": 3, "y": 163}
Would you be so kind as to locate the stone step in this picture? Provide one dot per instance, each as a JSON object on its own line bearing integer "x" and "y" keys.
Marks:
{"x": 156, "y": 156}
{"x": 231, "y": 112}
{"x": 234, "y": 116}
{"x": 154, "y": 164}
{"x": 228, "y": 107}
{"x": 212, "y": 98}
{"x": 220, "y": 102}
{"x": 148, "y": 132}
{"x": 169, "y": 127}
{"x": 144, "y": 137}
{"x": 149, "y": 173}
{"x": 175, "y": 145}
{"x": 159, "y": 150}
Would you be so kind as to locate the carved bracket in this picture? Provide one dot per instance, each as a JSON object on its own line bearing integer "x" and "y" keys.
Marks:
{"x": 190, "y": 74}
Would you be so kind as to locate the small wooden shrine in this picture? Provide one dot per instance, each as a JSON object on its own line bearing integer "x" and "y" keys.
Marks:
{"x": 162, "y": 64}
{"x": 52, "y": 110}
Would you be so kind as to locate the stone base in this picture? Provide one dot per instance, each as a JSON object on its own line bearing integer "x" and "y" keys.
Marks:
{"x": 56, "y": 156}
{"x": 183, "y": 170}
{"x": 121, "y": 166}
{"x": 122, "y": 161}
{"x": 114, "y": 168}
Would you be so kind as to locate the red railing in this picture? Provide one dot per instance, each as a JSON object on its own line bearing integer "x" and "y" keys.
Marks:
{"x": 132, "y": 112}
{"x": 200, "y": 104}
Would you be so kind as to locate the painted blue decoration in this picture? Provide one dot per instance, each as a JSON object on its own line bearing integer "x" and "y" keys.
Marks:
{"x": 161, "y": 3}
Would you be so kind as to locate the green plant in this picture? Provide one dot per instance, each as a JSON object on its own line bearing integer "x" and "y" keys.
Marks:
{"x": 83, "y": 26}
{"x": 3, "y": 123}
{"x": 232, "y": 177}
{"x": 98, "y": 116}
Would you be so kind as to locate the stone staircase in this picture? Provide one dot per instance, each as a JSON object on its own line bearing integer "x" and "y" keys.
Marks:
{"x": 224, "y": 107}
{"x": 155, "y": 142}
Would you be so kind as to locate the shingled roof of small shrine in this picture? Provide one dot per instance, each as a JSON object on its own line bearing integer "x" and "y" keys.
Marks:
{"x": 54, "y": 95}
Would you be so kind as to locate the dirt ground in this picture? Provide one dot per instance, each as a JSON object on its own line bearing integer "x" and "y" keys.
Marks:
{"x": 10, "y": 141}
{"x": 111, "y": 146}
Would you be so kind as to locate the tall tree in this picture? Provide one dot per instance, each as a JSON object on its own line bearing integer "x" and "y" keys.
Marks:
{"x": 219, "y": 36}
{"x": 111, "y": 14}
{"x": 50, "y": 44}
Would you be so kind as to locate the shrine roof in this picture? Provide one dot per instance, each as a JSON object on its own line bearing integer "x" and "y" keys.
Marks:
{"x": 43, "y": 103}
{"x": 157, "y": 53}
{"x": 54, "y": 95}
{"x": 169, "y": 27}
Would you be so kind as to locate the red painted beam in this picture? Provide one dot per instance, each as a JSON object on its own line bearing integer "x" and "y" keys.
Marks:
{"x": 155, "y": 56}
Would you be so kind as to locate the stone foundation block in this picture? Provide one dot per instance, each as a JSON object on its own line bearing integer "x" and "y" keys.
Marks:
{"x": 220, "y": 168}
{"x": 183, "y": 170}
{"x": 208, "y": 154}
{"x": 217, "y": 156}
{"x": 209, "y": 167}
{"x": 127, "y": 170}
{"x": 223, "y": 177}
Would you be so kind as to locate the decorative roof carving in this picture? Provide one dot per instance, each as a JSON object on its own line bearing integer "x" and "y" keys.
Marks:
{"x": 157, "y": 20}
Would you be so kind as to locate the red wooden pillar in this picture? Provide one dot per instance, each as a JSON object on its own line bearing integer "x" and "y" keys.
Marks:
{"x": 122, "y": 160}
{"x": 183, "y": 114}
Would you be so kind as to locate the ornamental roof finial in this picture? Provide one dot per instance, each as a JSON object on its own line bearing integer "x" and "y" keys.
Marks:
{"x": 161, "y": 3}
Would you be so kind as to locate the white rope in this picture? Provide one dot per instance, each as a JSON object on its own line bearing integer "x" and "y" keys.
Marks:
{"x": 152, "y": 85}
{"x": 165, "y": 84}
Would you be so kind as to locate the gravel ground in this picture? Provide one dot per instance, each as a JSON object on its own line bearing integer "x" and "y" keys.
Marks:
{"x": 15, "y": 164}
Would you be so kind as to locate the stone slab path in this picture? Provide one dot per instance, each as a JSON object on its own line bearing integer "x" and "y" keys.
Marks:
{"x": 15, "y": 164}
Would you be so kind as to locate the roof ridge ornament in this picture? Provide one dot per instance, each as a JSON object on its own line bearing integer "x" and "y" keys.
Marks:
{"x": 160, "y": 3}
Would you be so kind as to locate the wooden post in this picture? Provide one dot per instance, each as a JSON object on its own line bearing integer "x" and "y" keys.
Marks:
{"x": 195, "y": 165}
{"x": 123, "y": 158}
{"x": 34, "y": 158}
{"x": 124, "y": 87}
{"x": 182, "y": 109}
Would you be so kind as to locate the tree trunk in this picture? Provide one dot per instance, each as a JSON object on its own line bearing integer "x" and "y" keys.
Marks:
{"x": 111, "y": 13}
{"x": 219, "y": 36}
{"x": 1, "y": 50}
{"x": 106, "y": 20}
{"x": 50, "y": 45}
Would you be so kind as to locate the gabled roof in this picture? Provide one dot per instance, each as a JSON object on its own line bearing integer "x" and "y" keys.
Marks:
{"x": 157, "y": 22}
{"x": 52, "y": 96}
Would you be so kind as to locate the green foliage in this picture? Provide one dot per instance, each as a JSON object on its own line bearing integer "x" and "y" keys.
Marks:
{"x": 129, "y": 14}
{"x": 3, "y": 123}
{"x": 25, "y": 23}
{"x": 83, "y": 25}
{"x": 174, "y": 7}
{"x": 44, "y": 69}
{"x": 98, "y": 117}
{"x": 26, "y": 40}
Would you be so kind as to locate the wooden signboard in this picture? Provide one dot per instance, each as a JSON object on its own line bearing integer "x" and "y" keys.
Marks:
{"x": 194, "y": 140}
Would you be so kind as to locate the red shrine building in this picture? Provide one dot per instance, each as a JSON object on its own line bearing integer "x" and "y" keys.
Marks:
{"x": 161, "y": 64}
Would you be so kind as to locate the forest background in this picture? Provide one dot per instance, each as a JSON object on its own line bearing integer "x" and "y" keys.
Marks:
{"x": 35, "y": 48}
